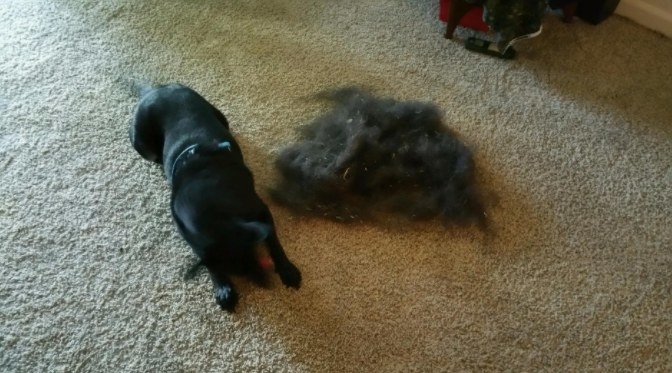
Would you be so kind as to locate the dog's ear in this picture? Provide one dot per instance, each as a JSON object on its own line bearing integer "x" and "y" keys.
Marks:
{"x": 220, "y": 117}
{"x": 257, "y": 231}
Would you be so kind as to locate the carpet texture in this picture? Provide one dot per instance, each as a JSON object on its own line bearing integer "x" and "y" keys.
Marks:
{"x": 573, "y": 139}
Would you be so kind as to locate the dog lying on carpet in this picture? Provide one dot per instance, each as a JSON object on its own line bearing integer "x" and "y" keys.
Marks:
{"x": 214, "y": 202}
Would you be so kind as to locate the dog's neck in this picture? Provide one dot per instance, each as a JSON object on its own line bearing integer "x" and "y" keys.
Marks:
{"x": 192, "y": 150}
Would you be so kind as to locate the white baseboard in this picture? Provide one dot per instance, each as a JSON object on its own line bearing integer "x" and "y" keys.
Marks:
{"x": 647, "y": 15}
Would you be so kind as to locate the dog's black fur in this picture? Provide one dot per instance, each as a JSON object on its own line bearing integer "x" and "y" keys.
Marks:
{"x": 369, "y": 156}
{"x": 214, "y": 202}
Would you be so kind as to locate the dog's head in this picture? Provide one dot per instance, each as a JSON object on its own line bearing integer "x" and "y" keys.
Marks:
{"x": 243, "y": 254}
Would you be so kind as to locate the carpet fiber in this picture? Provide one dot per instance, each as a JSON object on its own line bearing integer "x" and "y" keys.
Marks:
{"x": 573, "y": 140}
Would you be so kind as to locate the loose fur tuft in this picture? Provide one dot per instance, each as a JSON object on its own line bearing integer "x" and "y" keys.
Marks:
{"x": 369, "y": 156}
{"x": 138, "y": 88}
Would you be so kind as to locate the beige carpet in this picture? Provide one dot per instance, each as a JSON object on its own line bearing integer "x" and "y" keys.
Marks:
{"x": 574, "y": 138}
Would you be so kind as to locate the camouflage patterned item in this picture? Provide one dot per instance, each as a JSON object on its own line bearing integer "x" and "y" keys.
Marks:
{"x": 510, "y": 19}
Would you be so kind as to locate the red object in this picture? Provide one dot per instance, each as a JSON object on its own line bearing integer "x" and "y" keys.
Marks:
{"x": 473, "y": 19}
{"x": 266, "y": 263}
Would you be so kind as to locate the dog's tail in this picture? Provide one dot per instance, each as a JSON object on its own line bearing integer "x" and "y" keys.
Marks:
{"x": 137, "y": 87}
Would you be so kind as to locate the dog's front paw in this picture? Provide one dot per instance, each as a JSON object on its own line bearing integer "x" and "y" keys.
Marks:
{"x": 226, "y": 297}
{"x": 290, "y": 275}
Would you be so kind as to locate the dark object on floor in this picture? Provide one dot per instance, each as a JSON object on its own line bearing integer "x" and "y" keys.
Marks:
{"x": 596, "y": 11}
{"x": 213, "y": 202}
{"x": 500, "y": 50}
{"x": 510, "y": 22}
{"x": 489, "y": 48}
{"x": 369, "y": 157}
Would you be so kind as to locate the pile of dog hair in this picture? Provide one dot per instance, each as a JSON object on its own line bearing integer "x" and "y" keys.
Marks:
{"x": 371, "y": 157}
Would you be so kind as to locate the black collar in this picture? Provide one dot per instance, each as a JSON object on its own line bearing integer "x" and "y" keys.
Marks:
{"x": 192, "y": 150}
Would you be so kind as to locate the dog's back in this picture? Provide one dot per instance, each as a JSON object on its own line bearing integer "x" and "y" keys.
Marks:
{"x": 210, "y": 192}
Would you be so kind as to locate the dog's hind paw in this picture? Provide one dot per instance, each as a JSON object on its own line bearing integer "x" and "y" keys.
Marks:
{"x": 226, "y": 297}
{"x": 290, "y": 275}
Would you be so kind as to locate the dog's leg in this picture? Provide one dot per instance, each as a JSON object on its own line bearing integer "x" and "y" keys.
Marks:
{"x": 289, "y": 274}
{"x": 223, "y": 290}
{"x": 225, "y": 295}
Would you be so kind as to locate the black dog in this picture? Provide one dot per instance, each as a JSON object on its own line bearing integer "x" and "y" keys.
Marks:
{"x": 214, "y": 202}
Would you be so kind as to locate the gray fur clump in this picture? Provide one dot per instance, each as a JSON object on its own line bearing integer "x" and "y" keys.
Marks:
{"x": 370, "y": 156}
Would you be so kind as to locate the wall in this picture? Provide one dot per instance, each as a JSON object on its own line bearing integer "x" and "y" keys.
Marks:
{"x": 654, "y": 14}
